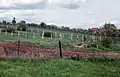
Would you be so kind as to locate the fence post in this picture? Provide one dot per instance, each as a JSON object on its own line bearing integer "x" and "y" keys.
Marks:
{"x": 51, "y": 36}
{"x": 6, "y": 33}
{"x": 26, "y": 34}
{"x": 43, "y": 35}
{"x": 18, "y": 47}
{"x": 61, "y": 36}
{"x": 60, "y": 48}
{"x": 55, "y": 34}
{"x": 12, "y": 33}
{"x": 71, "y": 36}
{"x": 77, "y": 37}
{"x": 82, "y": 38}
{"x": 18, "y": 34}
{"x": 33, "y": 35}
{"x": 100, "y": 38}
{"x": 0, "y": 31}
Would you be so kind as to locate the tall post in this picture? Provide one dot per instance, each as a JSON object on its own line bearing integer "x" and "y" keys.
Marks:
{"x": 0, "y": 31}
{"x": 77, "y": 37}
{"x": 6, "y": 33}
{"x": 43, "y": 35}
{"x": 12, "y": 33}
{"x": 71, "y": 36}
{"x": 18, "y": 34}
{"x": 61, "y": 36}
{"x": 55, "y": 34}
{"x": 26, "y": 34}
{"x": 51, "y": 36}
{"x": 18, "y": 47}
{"x": 82, "y": 37}
{"x": 100, "y": 38}
{"x": 60, "y": 48}
{"x": 33, "y": 35}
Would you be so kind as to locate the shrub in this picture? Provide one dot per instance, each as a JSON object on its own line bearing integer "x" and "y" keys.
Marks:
{"x": 24, "y": 28}
{"x": 94, "y": 49}
{"x": 8, "y": 30}
{"x": 108, "y": 49}
{"x": 93, "y": 45}
{"x": 106, "y": 42}
{"x": 116, "y": 49}
{"x": 48, "y": 34}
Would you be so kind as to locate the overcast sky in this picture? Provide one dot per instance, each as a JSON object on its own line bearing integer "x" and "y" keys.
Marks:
{"x": 72, "y": 13}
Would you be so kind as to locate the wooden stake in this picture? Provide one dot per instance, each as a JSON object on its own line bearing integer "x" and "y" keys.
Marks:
{"x": 43, "y": 35}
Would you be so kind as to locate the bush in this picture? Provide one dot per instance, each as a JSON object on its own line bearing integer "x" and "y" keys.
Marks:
{"x": 94, "y": 49}
{"x": 10, "y": 30}
{"x": 108, "y": 49}
{"x": 116, "y": 49}
{"x": 24, "y": 28}
{"x": 48, "y": 34}
{"x": 93, "y": 45}
{"x": 106, "y": 42}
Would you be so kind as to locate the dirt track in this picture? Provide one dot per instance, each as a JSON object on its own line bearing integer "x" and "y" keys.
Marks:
{"x": 11, "y": 49}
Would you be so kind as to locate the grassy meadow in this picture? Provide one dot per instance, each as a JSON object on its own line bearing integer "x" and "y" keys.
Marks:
{"x": 59, "y": 68}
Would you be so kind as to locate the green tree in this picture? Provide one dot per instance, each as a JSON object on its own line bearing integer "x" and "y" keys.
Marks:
{"x": 108, "y": 30}
{"x": 14, "y": 21}
{"x": 4, "y": 22}
{"x": 22, "y": 26}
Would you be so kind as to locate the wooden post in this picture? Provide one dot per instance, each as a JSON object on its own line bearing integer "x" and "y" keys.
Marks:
{"x": 61, "y": 36}
{"x": 93, "y": 37}
{"x": 26, "y": 34}
{"x": 77, "y": 37}
{"x": 0, "y": 31}
{"x": 18, "y": 47}
{"x": 37, "y": 31}
{"x": 82, "y": 37}
{"x": 18, "y": 33}
{"x": 100, "y": 38}
{"x": 43, "y": 35}
{"x": 97, "y": 46}
{"x": 6, "y": 33}
{"x": 12, "y": 33}
{"x": 51, "y": 35}
{"x": 33, "y": 35}
{"x": 60, "y": 48}
{"x": 71, "y": 37}
{"x": 55, "y": 34}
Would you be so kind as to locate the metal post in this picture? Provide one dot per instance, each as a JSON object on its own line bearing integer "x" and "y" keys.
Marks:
{"x": 18, "y": 46}
{"x": 60, "y": 48}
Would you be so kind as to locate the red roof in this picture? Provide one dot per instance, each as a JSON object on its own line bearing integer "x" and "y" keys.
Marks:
{"x": 94, "y": 29}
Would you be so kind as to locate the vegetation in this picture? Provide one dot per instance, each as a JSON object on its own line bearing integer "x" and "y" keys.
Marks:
{"x": 59, "y": 68}
{"x": 108, "y": 32}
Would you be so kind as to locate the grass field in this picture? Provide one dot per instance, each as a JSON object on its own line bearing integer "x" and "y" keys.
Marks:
{"x": 59, "y": 68}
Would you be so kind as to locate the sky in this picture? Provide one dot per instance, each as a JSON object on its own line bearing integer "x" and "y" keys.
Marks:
{"x": 72, "y": 13}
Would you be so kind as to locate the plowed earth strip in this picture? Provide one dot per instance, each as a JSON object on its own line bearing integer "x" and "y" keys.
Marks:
{"x": 27, "y": 48}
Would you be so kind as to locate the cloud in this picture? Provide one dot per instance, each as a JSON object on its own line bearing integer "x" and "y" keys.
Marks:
{"x": 73, "y": 13}
{"x": 40, "y": 4}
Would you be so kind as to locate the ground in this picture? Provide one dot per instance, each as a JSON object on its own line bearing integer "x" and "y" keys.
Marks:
{"x": 59, "y": 68}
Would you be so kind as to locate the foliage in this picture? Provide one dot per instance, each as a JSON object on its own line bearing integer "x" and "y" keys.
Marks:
{"x": 106, "y": 42}
{"x": 14, "y": 21}
{"x": 94, "y": 49}
{"x": 59, "y": 68}
{"x": 22, "y": 26}
{"x": 10, "y": 30}
{"x": 48, "y": 34}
